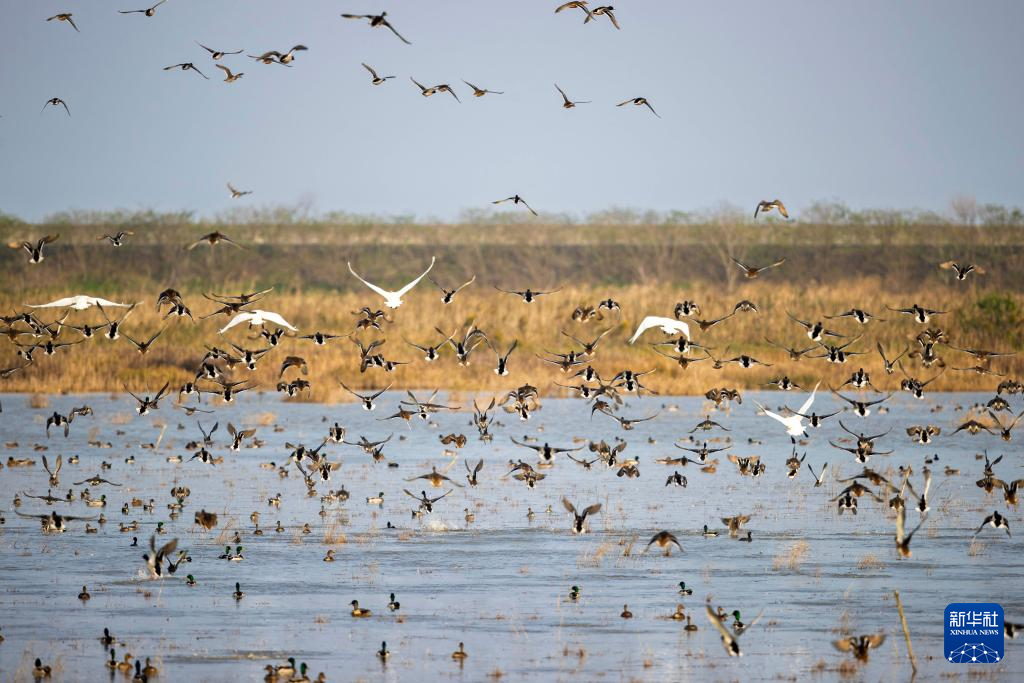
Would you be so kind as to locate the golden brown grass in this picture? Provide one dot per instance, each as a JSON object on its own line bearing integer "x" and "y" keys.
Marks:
{"x": 792, "y": 557}
{"x": 101, "y": 365}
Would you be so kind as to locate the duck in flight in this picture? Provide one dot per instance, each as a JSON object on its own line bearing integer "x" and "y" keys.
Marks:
{"x": 64, "y": 16}
{"x": 54, "y": 101}
{"x": 35, "y": 251}
{"x": 640, "y": 102}
{"x": 528, "y": 295}
{"x": 230, "y": 77}
{"x": 186, "y": 66}
{"x": 145, "y": 404}
{"x": 860, "y": 646}
{"x": 962, "y": 271}
{"x": 393, "y": 299}
{"x": 765, "y": 206}
{"x": 566, "y": 102}
{"x": 150, "y": 11}
{"x": 750, "y": 272}
{"x": 117, "y": 240}
{"x": 605, "y": 11}
{"x": 366, "y": 399}
{"x": 515, "y": 199}
{"x": 235, "y": 194}
{"x": 377, "y": 20}
{"x": 480, "y": 92}
{"x": 574, "y": 4}
{"x": 213, "y": 239}
{"x": 579, "y": 525}
{"x": 217, "y": 54}
{"x": 447, "y": 295}
{"x": 374, "y": 78}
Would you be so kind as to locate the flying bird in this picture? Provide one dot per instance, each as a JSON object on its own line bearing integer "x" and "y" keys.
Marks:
{"x": 257, "y": 318}
{"x": 186, "y": 66}
{"x": 603, "y": 10}
{"x": 378, "y": 20}
{"x": 640, "y": 102}
{"x": 753, "y": 271}
{"x": 794, "y": 424}
{"x": 574, "y": 4}
{"x": 393, "y": 299}
{"x": 35, "y": 251}
{"x": 236, "y": 194}
{"x": 54, "y": 101}
{"x": 480, "y": 92}
{"x": 229, "y": 77}
{"x": 79, "y": 302}
{"x": 148, "y": 12}
{"x": 667, "y": 325}
{"x": 64, "y": 16}
{"x": 213, "y": 239}
{"x": 566, "y": 102}
{"x": 217, "y": 54}
{"x": 765, "y": 206}
{"x": 375, "y": 79}
{"x": 515, "y": 199}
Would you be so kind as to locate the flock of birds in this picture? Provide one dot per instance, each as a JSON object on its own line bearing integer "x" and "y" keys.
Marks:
{"x": 220, "y": 372}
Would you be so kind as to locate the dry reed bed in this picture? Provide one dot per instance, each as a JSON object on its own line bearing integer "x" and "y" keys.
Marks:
{"x": 101, "y": 365}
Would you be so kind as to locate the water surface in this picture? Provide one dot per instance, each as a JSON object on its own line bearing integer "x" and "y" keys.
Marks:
{"x": 499, "y": 584}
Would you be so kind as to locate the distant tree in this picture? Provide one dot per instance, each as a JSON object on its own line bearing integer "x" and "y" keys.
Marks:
{"x": 964, "y": 209}
{"x": 997, "y": 215}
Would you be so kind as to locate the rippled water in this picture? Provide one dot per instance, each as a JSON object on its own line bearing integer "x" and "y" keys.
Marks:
{"x": 500, "y": 583}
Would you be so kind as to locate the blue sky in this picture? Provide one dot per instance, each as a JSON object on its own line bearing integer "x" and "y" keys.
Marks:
{"x": 878, "y": 103}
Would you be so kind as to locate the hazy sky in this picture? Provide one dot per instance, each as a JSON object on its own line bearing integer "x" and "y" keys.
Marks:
{"x": 880, "y": 103}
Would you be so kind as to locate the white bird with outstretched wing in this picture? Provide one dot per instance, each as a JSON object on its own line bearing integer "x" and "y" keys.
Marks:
{"x": 393, "y": 299}
{"x": 79, "y": 302}
{"x": 256, "y": 318}
{"x": 667, "y": 325}
{"x": 794, "y": 423}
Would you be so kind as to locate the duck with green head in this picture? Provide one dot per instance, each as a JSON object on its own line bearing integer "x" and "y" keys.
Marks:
{"x": 574, "y": 593}
{"x": 737, "y": 624}
{"x": 683, "y": 590}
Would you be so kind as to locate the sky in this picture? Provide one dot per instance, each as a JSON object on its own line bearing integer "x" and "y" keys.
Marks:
{"x": 879, "y": 103}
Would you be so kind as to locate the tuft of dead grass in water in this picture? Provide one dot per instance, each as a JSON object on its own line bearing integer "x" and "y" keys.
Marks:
{"x": 869, "y": 561}
{"x": 38, "y": 401}
{"x": 262, "y": 419}
{"x": 792, "y": 558}
{"x": 595, "y": 557}
{"x": 334, "y": 536}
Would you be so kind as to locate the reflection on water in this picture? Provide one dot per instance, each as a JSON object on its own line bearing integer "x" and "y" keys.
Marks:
{"x": 501, "y": 582}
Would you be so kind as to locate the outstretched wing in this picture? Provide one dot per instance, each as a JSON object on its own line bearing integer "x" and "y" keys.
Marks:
{"x": 415, "y": 282}
{"x": 810, "y": 399}
{"x": 372, "y": 286}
